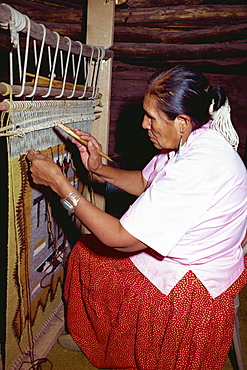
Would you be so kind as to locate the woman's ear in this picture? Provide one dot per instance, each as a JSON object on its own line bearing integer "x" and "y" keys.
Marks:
{"x": 183, "y": 123}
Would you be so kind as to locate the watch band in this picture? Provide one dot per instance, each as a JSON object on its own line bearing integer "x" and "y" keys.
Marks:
{"x": 71, "y": 200}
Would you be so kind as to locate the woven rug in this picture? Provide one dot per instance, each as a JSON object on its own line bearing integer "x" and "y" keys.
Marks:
{"x": 40, "y": 236}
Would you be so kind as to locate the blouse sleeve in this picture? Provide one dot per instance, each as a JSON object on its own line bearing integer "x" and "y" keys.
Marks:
{"x": 176, "y": 197}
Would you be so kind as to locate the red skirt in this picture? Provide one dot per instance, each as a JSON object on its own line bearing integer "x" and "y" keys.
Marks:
{"x": 121, "y": 320}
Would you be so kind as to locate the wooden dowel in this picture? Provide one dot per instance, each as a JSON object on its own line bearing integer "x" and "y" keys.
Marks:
{"x": 40, "y": 91}
{"x": 83, "y": 142}
{"x": 4, "y": 106}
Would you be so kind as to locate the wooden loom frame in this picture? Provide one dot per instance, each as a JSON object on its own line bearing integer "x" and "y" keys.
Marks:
{"x": 100, "y": 23}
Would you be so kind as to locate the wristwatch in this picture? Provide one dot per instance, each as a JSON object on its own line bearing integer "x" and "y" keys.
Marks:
{"x": 71, "y": 200}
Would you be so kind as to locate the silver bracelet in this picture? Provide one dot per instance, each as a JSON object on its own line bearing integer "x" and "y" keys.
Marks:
{"x": 71, "y": 200}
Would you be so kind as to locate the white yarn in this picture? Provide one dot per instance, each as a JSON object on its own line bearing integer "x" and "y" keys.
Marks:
{"x": 16, "y": 24}
{"x": 32, "y": 123}
{"x": 223, "y": 124}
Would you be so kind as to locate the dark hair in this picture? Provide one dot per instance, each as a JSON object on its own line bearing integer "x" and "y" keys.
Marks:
{"x": 184, "y": 90}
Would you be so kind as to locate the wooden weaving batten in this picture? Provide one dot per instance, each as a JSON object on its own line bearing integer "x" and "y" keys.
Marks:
{"x": 84, "y": 142}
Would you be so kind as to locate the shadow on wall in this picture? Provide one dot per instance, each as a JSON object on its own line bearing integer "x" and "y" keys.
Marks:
{"x": 132, "y": 141}
{"x": 135, "y": 150}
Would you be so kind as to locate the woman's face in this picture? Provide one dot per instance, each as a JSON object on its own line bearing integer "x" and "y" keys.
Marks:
{"x": 163, "y": 132}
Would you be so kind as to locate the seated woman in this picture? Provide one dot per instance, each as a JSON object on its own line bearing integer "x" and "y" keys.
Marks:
{"x": 155, "y": 290}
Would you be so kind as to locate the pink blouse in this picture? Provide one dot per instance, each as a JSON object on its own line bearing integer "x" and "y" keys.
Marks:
{"x": 193, "y": 214}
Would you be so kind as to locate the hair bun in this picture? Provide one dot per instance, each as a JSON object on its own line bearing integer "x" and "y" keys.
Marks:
{"x": 218, "y": 94}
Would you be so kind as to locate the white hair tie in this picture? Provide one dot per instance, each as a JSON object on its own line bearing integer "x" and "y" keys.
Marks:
{"x": 223, "y": 124}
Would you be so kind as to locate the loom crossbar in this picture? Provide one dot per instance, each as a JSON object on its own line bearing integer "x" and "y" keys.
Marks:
{"x": 51, "y": 40}
{"x": 69, "y": 65}
{"x": 40, "y": 91}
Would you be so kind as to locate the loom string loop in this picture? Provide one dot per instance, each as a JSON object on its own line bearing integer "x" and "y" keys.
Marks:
{"x": 19, "y": 22}
{"x": 77, "y": 70}
{"x": 87, "y": 72}
{"x": 95, "y": 73}
{"x": 52, "y": 73}
{"x": 101, "y": 55}
{"x": 39, "y": 62}
{"x": 6, "y": 115}
{"x": 66, "y": 68}
{"x": 24, "y": 70}
{"x": 15, "y": 25}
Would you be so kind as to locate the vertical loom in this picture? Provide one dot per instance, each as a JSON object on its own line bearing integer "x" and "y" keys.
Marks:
{"x": 51, "y": 79}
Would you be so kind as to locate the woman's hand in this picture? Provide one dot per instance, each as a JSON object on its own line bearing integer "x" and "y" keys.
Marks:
{"x": 44, "y": 170}
{"x": 89, "y": 155}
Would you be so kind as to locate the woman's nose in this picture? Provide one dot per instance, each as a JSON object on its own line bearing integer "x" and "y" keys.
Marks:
{"x": 146, "y": 122}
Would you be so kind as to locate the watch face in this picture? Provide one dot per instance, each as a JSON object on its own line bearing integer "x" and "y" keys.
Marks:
{"x": 67, "y": 205}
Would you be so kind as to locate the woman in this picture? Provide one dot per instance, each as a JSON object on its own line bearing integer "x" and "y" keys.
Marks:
{"x": 166, "y": 300}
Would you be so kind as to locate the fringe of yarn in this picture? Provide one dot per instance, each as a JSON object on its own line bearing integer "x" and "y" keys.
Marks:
{"x": 223, "y": 124}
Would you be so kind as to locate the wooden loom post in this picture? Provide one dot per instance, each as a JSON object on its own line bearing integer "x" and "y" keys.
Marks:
{"x": 100, "y": 30}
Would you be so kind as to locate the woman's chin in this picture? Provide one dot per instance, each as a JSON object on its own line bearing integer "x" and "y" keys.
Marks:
{"x": 157, "y": 145}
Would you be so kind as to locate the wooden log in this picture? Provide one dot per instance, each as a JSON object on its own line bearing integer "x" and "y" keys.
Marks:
{"x": 203, "y": 64}
{"x": 36, "y": 31}
{"x": 40, "y": 4}
{"x": 72, "y": 30}
{"x": 56, "y": 15}
{"x": 124, "y": 69}
{"x": 183, "y": 12}
{"x": 5, "y": 42}
{"x": 156, "y": 3}
{"x": 61, "y": 3}
{"x": 186, "y": 51}
{"x": 233, "y": 66}
{"x": 4, "y": 106}
{"x": 24, "y": 5}
{"x": 214, "y": 34}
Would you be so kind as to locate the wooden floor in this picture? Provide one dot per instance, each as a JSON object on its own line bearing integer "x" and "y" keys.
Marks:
{"x": 63, "y": 359}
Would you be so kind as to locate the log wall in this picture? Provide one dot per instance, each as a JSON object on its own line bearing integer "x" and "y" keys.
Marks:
{"x": 154, "y": 34}
{"x": 150, "y": 34}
